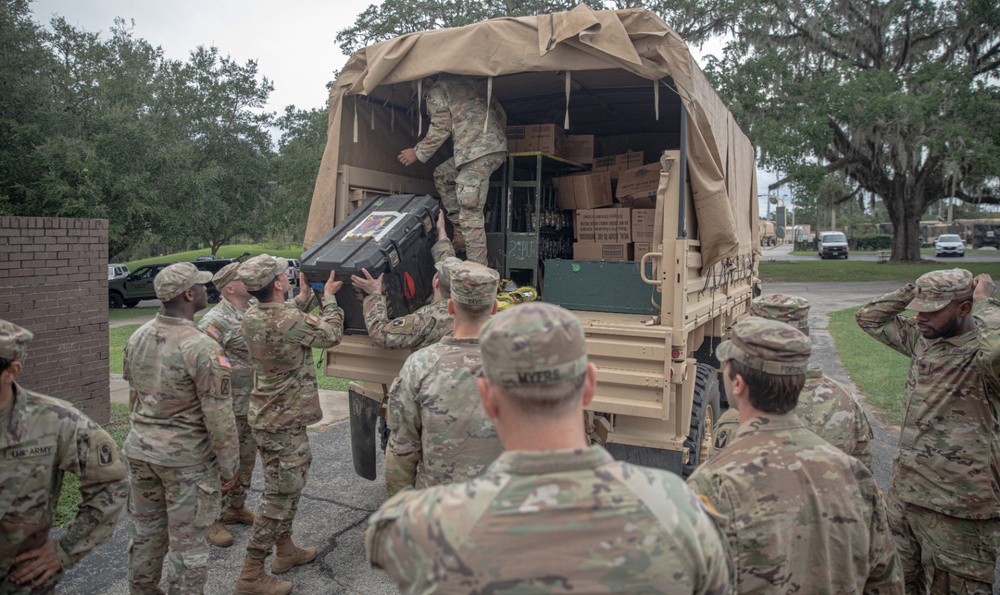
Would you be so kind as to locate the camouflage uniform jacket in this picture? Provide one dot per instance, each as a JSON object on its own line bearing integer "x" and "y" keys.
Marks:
{"x": 180, "y": 397}
{"x": 224, "y": 323}
{"x": 551, "y": 522}
{"x": 803, "y": 516}
{"x": 440, "y": 432}
{"x": 828, "y": 409}
{"x": 457, "y": 108}
{"x": 424, "y": 327}
{"x": 280, "y": 338}
{"x": 43, "y": 439}
{"x": 949, "y": 447}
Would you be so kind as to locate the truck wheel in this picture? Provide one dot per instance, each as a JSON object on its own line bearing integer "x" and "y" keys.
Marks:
{"x": 115, "y": 300}
{"x": 704, "y": 413}
{"x": 383, "y": 433}
{"x": 131, "y": 303}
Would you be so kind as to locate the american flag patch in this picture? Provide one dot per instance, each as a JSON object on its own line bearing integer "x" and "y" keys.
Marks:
{"x": 313, "y": 319}
{"x": 224, "y": 362}
{"x": 214, "y": 332}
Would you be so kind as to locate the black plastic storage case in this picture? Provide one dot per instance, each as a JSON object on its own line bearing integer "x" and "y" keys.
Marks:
{"x": 387, "y": 234}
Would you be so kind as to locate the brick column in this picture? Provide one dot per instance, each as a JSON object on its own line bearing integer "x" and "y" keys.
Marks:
{"x": 53, "y": 282}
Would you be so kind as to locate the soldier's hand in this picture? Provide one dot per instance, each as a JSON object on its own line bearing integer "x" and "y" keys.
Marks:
{"x": 305, "y": 290}
{"x": 230, "y": 483}
{"x": 368, "y": 284}
{"x": 407, "y": 157}
{"x": 332, "y": 286}
{"x": 442, "y": 231}
{"x": 36, "y": 566}
{"x": 983, "y": 287}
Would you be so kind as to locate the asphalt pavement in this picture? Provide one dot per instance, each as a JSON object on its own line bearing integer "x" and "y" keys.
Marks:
{"x": 336, "y": 502}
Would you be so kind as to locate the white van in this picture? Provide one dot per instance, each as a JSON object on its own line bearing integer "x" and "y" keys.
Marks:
{"x": 832, "y": 244}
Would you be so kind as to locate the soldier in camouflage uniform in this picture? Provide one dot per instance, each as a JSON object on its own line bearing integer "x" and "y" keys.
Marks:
{"x": 42, "y": 438}
{"x": 803, "y": 516}
{"x": 427, "y": 325}
{"x": 827, "y": 407}
{"x": 224, "y": 324}
{"x": 552, "y": 514}
{"x": 183, "y": 437}
{"x": 458, "y": 107}
{"x": 439, "y": 432}
{"x": 280, "y": 337}
{"x": 944, "y": 497}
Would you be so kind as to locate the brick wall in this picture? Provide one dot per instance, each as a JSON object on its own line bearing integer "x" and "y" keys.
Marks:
{"x": 54, "y": 282}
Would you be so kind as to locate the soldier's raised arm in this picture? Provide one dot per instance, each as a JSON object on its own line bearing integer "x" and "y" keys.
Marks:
{"x": 881, "y": 318}
{"x": 327, "y": 329}
{"x": 986, "y": 314}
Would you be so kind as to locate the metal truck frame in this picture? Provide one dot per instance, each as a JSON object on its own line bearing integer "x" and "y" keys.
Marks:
{"x": 658, "y": 389}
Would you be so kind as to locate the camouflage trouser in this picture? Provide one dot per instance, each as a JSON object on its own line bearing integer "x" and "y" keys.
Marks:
{"x": 237, "y": 497}
{"x": 9, "y": 588}
{"x": 463, "y": 192}
{"x": 942, "y": 553}
{"x": 171, "y": 506}
{"x": 286, "y": 458}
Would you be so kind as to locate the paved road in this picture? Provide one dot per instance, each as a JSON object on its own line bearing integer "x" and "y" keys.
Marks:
{"x": 336, "y": 502}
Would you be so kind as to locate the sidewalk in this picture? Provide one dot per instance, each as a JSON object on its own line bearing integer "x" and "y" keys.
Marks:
{"x": 333, "y": 402}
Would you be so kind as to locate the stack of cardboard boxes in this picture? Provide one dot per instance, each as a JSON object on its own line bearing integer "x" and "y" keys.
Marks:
{"x": 603, "y": 228}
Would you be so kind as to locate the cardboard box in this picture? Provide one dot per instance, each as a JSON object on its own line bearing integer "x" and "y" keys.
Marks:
{"x": 637, "y": 186}
{"x": 618, "y": 163}
{"x": 543, "y": 138}
{"x": 515, "y": 138}
{"x": 583, "y": 191}
{"x": 602, "y": 226}
{"x": 621, "y": 251}
{"x": 642, "y": 224}
{"x": 639, "y": 249}
{"x": 581, "y": 148}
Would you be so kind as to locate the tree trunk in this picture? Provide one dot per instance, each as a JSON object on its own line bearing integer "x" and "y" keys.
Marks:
{"x": 905, "y": 216}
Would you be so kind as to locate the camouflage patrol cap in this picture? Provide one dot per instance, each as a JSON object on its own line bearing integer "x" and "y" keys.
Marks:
{"x": 767, "y": 345}
{"x": 789, "y": 309}
{"x": 14, "y": 341}
{"x": 937, "y": 289}
{"x": 444, "y": 268}
{"x": 178, "y": 278}
{"x": 260, "y": 270}
{"x": 473, "y": 284}
{"x": 533, "y": 344}
{"x": 226, "y": 275}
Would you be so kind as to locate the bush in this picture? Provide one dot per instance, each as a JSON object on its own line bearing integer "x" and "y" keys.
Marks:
{"x": 870, "y": 242}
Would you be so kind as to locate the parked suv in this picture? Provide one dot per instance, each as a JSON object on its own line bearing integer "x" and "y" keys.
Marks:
{"x": 949, "y": 244}
{"x": 832, "y": 244}
{"x": 138, "y": 285}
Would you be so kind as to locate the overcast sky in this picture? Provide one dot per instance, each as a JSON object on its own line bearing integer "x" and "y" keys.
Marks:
{"x": 292, "y": 41}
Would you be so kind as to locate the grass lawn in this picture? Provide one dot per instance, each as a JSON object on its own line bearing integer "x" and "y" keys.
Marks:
{"x": 224, "y": 252}
{"x": 857, "y": 270}
{"x": 878, "y": 371}
{"x": 69, "y": 499}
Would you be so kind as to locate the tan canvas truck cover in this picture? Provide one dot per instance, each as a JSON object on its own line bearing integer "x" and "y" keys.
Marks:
{"x": 579, "y": 40}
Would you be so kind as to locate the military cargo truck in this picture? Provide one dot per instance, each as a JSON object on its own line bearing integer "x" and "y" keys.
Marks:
{"x": 627, "y": 79}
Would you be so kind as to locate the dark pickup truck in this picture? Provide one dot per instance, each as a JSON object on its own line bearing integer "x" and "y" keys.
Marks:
{"x": 138, "y": 285}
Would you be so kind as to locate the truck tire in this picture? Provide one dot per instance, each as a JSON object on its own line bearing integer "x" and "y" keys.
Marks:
{"x": 115, "y": 300}
{"x": 704, "y": 413}
{"x": 131, "y": 303}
